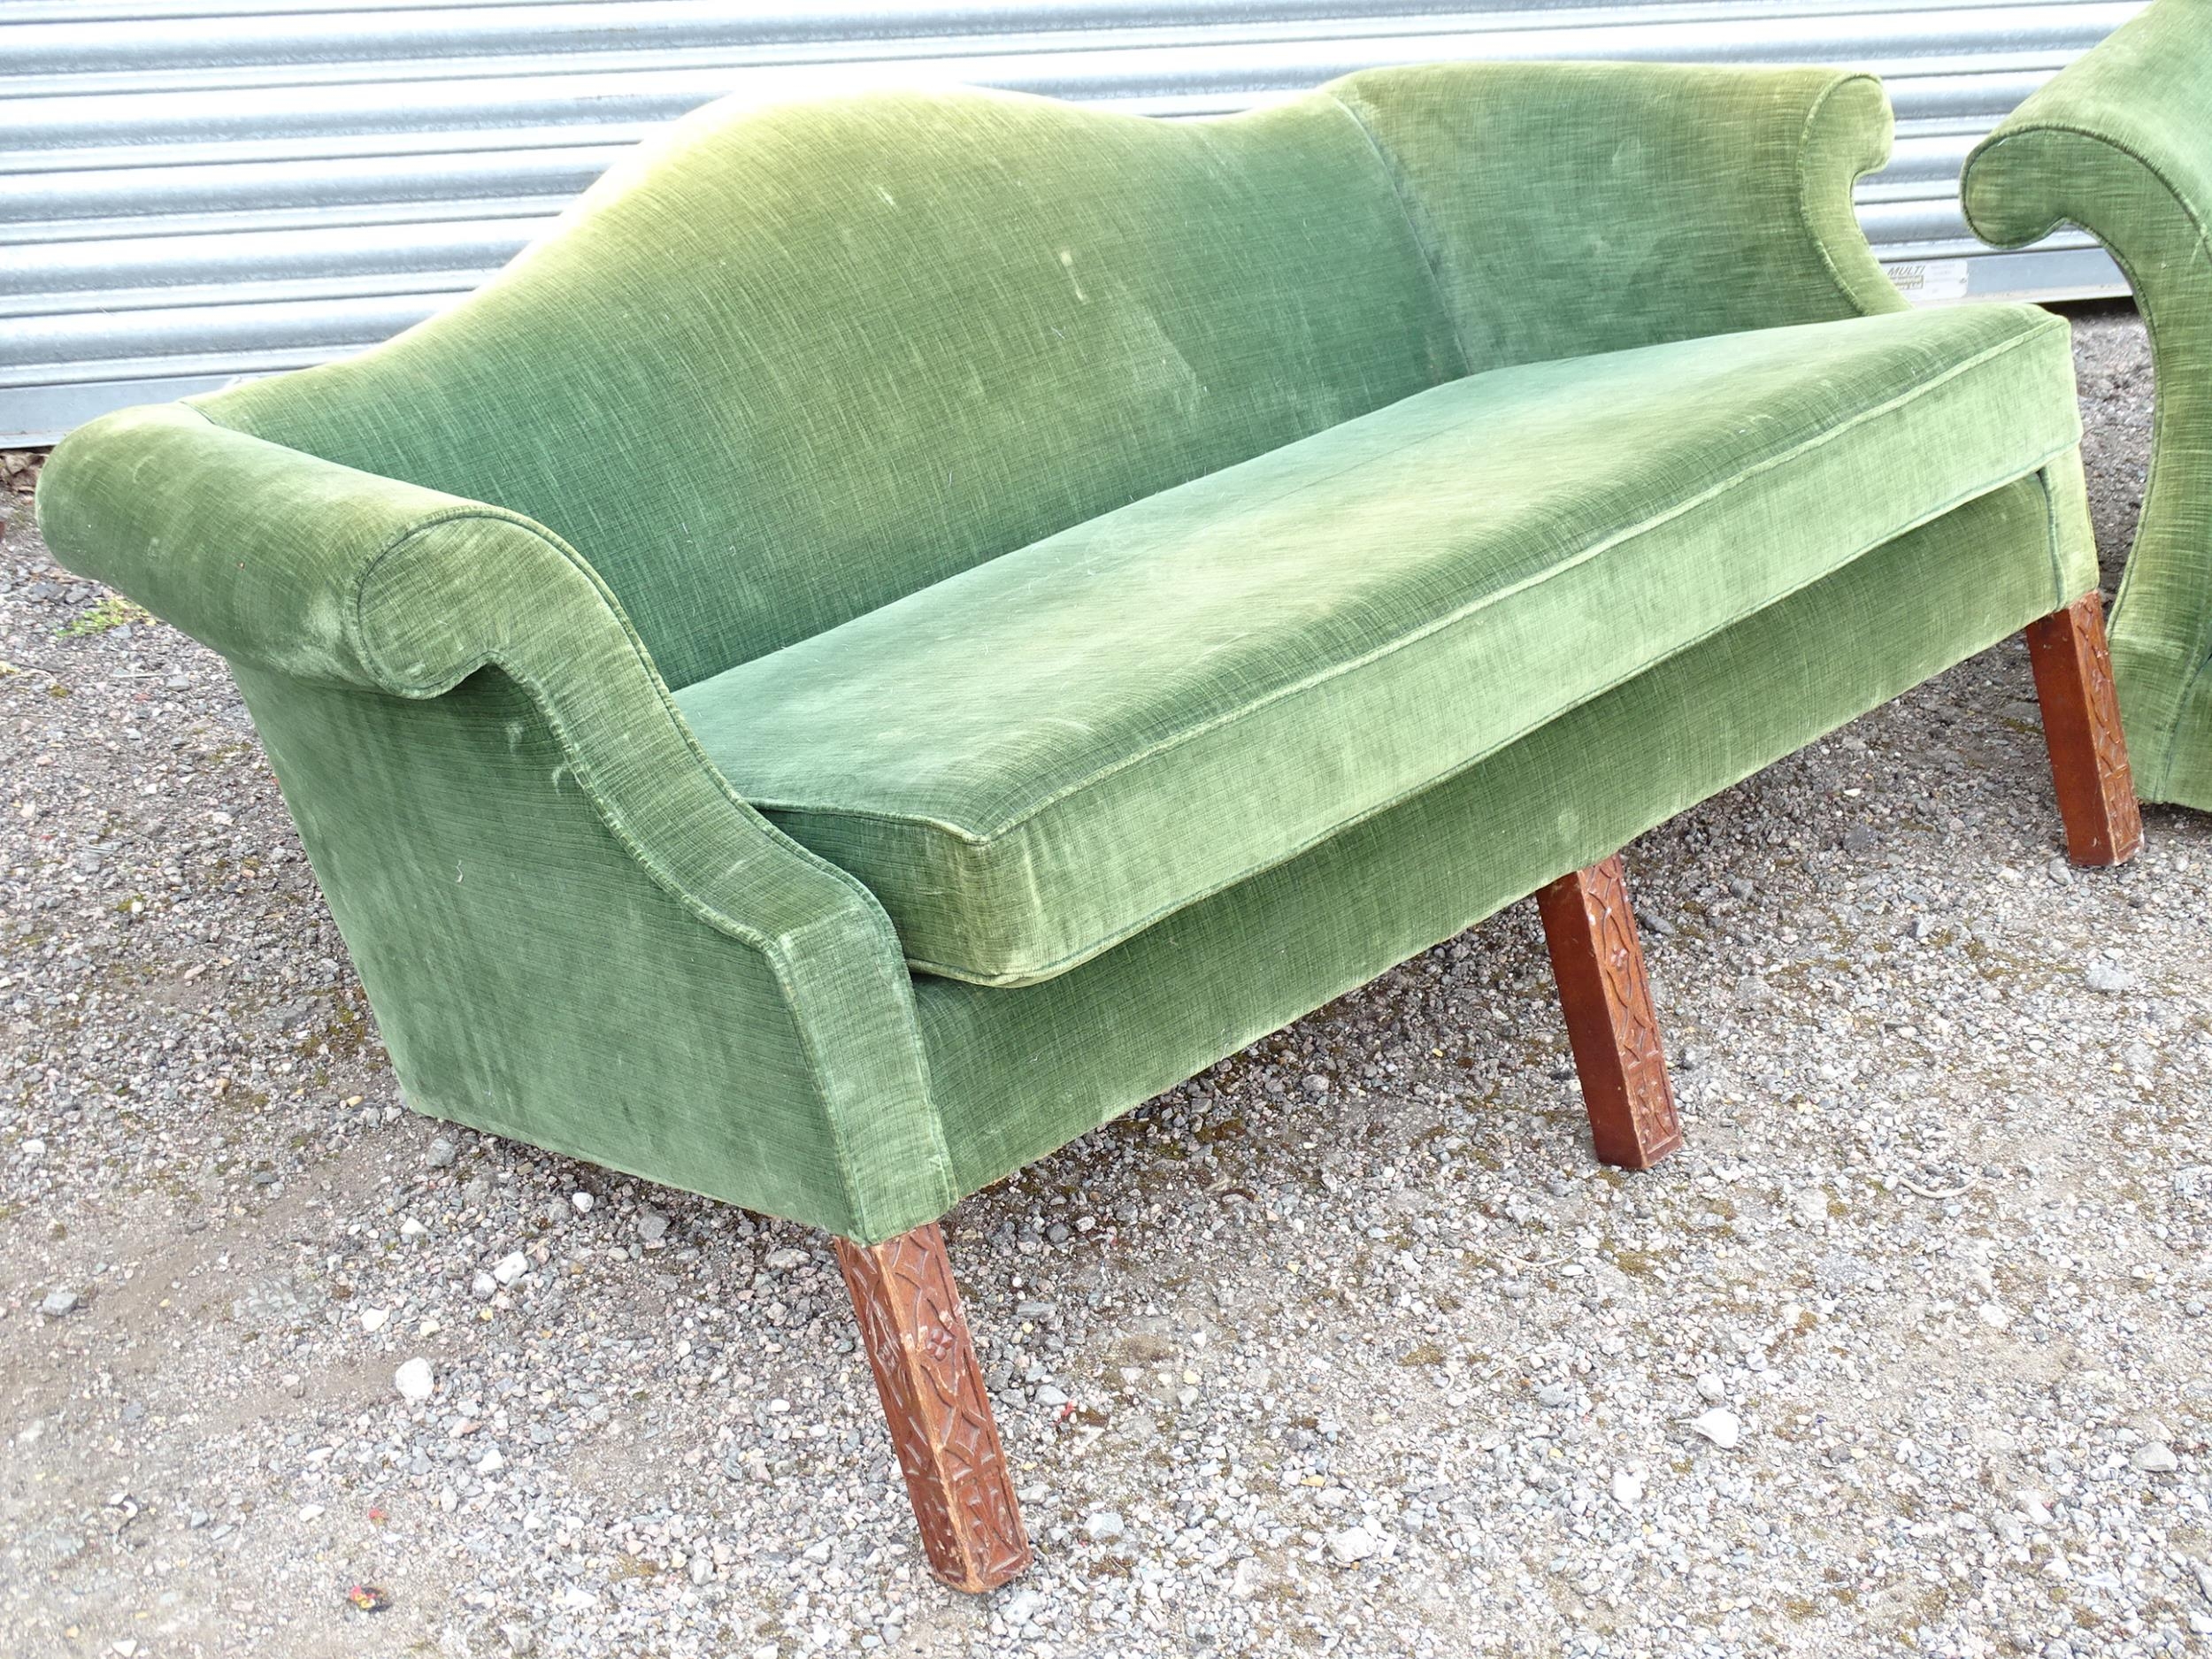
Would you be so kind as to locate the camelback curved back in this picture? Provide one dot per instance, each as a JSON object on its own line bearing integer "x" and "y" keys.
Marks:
{"x": 796, "y": 363}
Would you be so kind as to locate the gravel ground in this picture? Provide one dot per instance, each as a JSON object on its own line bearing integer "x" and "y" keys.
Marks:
{"x": 1345, "y": 1346}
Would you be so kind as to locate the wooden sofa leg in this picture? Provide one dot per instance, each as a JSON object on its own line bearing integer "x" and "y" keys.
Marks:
{"x": 940, "y": 1412}
{"x": 2081, "y": 726}
{"x": 1611, "y": 1022}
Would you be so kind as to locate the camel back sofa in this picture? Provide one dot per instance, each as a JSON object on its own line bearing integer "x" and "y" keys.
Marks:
{"x": 908, "y": 625}
{"x": 2120, "y": 143}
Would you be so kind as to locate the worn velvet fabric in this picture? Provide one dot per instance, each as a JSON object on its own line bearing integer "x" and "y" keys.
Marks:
{"x": 2120, "y": 143}
{"x": 1440, "y": 577}
{"x": 846, "y": 420}
{"x": 1015, "y": 1069}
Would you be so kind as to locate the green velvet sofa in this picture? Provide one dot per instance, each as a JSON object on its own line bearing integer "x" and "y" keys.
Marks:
{"x": 2120, "y": 143}
{"x": 908, "y": 625}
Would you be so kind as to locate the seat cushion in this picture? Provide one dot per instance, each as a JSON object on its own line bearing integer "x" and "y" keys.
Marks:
{"x": 1038, "y": 757}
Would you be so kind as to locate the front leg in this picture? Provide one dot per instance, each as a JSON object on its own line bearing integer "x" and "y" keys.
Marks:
{"x": 1611, "y": 1024}
{"x": 939, "y": 1410}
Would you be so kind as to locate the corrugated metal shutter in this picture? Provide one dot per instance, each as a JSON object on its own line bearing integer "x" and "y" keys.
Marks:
{"x": 194, "y": 189}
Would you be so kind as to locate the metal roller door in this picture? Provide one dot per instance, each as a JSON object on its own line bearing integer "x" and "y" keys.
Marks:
{"x": 195, "y": 189}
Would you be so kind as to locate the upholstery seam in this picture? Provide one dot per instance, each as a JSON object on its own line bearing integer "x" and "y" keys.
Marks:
{"x": 1429, "y": 258}
{"x": 2150, "y": 475}
{"x": 1804, "y": 180}
{"x": 1237, "y": 1043}
{"x": 774, "y": 951}
{"x": 2188, "y": 692}
{"x": 2170, "y": 751}
{"x": 2050, "y": 537}
{"x": 1047, "y": 970}
{"x": 740, "y": 930}
{"x": 1603, "y": 544}
{"x": 2029, "y": 129}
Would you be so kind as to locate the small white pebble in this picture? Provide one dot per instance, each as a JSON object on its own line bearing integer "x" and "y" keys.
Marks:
{"x": 1353, "y": 1544}
{"x": 1721, "y": 1426}
{"x": 414, "y": 1380}
{"x": 2108, "y": 977}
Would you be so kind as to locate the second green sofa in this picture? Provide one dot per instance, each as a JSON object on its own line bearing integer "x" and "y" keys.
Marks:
{"x": 2120, "y": 143}
{"x": 912, "y": 624}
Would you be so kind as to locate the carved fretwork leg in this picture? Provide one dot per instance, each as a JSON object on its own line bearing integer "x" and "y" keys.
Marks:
{"x": 2081, "y": 724}
{"x": 1606, "y": 997}
{"x": 940, "y": 1413}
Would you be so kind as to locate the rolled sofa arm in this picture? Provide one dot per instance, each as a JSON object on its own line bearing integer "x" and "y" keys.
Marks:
{"x": 291, "y": 565}
{"x": 1575, "y": 208}
{"x": 2120, "y": 143}
{"x": 257, "y": 551}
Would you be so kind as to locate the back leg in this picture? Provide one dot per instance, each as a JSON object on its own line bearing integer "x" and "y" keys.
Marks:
{"x": 1611, "y": 1024}
{"x": 2081, "y": 726}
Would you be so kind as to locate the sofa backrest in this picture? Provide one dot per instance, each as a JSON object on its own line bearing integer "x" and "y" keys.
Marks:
{"x": 1570, "y": 209}
{"x": 792, "y": 364}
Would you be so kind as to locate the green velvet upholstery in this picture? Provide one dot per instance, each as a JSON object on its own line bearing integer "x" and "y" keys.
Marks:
{"x": 1640, "y": 204}
{"x": 836, "y": 352}
{"x": 1016, "y": 1069}
{"x": 2120, "y": 143}
{"x": 859, "y": 411}
{"x": 1426, "y": 576}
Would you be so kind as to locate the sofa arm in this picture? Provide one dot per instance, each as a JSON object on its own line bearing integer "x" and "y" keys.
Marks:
{"x": 2118, "y": 144}
{"x": 255, "y": 550}
{"x": 1576, "y": 208}
{"x": 287, "y": 563}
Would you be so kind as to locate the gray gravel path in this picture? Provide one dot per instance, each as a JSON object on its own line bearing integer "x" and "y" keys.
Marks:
{"x": 1345, "y": 1347}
